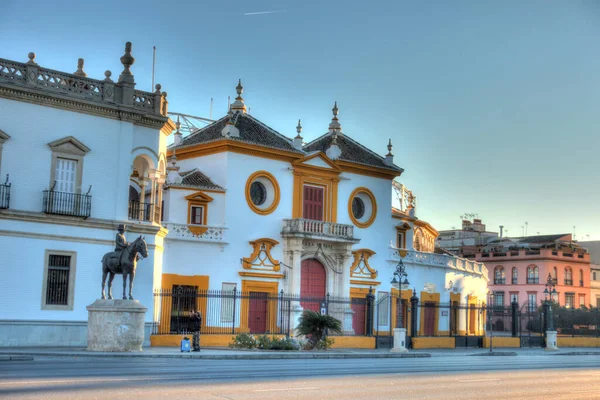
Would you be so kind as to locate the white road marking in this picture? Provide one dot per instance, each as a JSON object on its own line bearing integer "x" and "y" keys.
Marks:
{"x": 477, "y": 380}
{"x": 286, "y": 389}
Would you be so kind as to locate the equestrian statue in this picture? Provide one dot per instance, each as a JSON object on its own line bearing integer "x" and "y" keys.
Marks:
{"x": 122, "y": 261}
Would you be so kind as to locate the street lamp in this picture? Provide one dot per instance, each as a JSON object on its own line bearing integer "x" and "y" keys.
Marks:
{"x": 549, "y": 292}
{"x": 400, "y": 273}
{"x": 490, "y": 319}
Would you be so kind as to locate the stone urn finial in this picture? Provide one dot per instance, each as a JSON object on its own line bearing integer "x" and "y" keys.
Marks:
{"x": 127, "y": 60}
{"x": 335, "y": 122}
{"x": 31, "y": 57}
{"x": 299, "y": 129}
{"x": 107, "y": 75}
{"x": 389, "y": 146}
{"x": 80, "y": 71}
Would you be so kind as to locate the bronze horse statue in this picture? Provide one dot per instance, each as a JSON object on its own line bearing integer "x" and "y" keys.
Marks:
{"x": 123, "y": 262}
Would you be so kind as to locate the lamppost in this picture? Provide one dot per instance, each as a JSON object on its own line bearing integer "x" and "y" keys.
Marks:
{"x": 400, "y": 278}
{"x": 490, "y": 319}
{"x": 400, "y": 273}
{"x": 549, "y": 292}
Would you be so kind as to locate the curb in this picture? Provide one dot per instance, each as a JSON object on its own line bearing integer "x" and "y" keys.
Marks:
{"x": 496, "y": 353}
{"x": 16, "y": 358}
{"x": 577, "y": 353}
{"x": 29, "y": 356}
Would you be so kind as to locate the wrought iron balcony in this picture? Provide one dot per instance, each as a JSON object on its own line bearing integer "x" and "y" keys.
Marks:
{"x": 568, "y": 282}
{"x": 309, "y": 228}
{"x": 499, "y": 281}
{"x": 533, "y": 281}
{"x": 64, "y": 203}
{"x": 142, "y": 211}
{"x": 5, "y": 194}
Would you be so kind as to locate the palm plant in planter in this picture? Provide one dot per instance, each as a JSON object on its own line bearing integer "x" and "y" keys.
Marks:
{"x": 313, "y": 326}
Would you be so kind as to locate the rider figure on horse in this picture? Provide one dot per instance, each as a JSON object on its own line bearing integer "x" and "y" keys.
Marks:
{"x": 120, "y": 241}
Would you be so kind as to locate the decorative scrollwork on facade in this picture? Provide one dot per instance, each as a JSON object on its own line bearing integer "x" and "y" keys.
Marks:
{"x": 360, "y": 267}
{"x": 261, "y": 257}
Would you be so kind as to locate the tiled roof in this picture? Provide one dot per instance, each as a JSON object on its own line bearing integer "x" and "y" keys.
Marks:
{"x": 352, "y": 151}
{"x": 195, "y": 179}
{"x": 541, "y": 238}
{"x": 251, "y": 131}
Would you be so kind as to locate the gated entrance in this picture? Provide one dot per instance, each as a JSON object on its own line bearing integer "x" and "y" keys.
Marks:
{"x": 531, "y": 327}
{"x": 257, "y": 314}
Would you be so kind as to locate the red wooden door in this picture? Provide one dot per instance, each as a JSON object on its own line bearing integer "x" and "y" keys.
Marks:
{"x": 312, "y": 285}
{"x": 257, "y": 315}
{"x": 312, "y": 207}
{"x": 429, "y": 319}
{"x": 359, "y": 321}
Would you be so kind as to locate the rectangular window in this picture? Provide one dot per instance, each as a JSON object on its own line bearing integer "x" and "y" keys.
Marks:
{"x": 569, "y": 300}
{"x": 197, "y": 215}
{"x": 383, "y": 309}
{"x": 227, "y": 302}
{"x": 581, "y": 300}
{"x": 401, "y": 243}
{"x": 531, "y": 302}
{"x": 59, "y": 279}
{"x": 514, "y": 297}
{"x": 499, "y": 300}
{"x": 313, "y": 201}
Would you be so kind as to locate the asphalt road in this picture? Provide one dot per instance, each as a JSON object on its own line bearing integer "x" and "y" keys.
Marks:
{"x": 456, "y": 377}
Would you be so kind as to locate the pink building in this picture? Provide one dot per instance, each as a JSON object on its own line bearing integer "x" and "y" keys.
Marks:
{"x": 519, "y": 268}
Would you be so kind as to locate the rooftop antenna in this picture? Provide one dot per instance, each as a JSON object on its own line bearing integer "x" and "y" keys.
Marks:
{"x": 526, "y": 223}
{"x": 153, "y": 63}
{"x": 210, "y": 112}
{"x": 228, "y": 103}
{"x": 574, "y": 234}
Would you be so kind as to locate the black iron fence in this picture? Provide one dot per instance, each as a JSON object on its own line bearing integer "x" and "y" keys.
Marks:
{"x": 577, "y": 321}
{"x": 141, "y": 211}
{"x": 231, "y": 312}
{"x": 64, "y": 203}
{"x": 5, "y": 195}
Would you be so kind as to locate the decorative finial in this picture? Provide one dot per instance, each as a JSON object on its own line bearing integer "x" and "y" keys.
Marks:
{"x": 238, "y": 105}
{"x": 335, "y": 123}
{"x": 389, "y": 146}
{"x": 31, "y": 59}
{"x": 299, "y": 129}
{"x": 389, "y": 158}
{"x": 107, "y": 75}
{"x": 127, "y": 60}
{"x": 178, "y": 124}
{"x": 157, "y": 87}
{"x": 239, "y": 89}
{"x": 80, "y": 71}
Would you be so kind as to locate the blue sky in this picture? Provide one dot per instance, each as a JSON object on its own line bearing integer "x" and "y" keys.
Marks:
{"x": 492, "y": 106}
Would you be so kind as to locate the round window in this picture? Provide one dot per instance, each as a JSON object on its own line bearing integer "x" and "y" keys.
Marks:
{"x": 258, "y": 193}
{"x": 358, "y": 208}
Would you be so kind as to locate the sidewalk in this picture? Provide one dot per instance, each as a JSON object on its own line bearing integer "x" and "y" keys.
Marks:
{"x": 26, "y": 354}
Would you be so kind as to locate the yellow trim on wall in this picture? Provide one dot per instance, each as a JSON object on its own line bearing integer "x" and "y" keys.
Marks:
{"x": 277, "y": 195}
{"x": 364, "y": 254}
{"x": 367, "y": 283}
{"x": 260, "y": 275}
{"x": 433, "y": 342}
{"x": 562, "y": 341}
{"x": 434, "y": 298}
{"x": 353, "y": 342}
{"x": 270, "y": 288}
{"x": 167, "y": 283}
{"x": 500, "y": 341}
{"x": 261, "y": 245}
{"x": 371, "y": 197}
{"x": 473, "y": 328}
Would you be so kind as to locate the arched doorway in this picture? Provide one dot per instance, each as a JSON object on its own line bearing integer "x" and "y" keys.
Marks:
{"x": 312, "y": 284}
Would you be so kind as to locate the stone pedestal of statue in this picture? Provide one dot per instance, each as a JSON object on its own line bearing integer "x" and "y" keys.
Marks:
{"x": 115, "y": 325}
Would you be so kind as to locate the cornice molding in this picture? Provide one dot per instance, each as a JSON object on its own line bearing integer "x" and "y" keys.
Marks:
{"x": 86, "y": 107}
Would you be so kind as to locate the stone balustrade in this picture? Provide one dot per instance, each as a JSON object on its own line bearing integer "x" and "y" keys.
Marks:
{"x": 440, "y": 260}
{"x": 318, "y": 229}
{"x": 182, "y": 231}
{"x": 31, "y": 76}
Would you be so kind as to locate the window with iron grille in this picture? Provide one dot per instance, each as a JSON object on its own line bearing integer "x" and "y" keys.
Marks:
{"x": 227, "y": 302}
{"x": 59, "y": 274}
{"x": 569, "y": 300}
{"x": 383, "y": 308}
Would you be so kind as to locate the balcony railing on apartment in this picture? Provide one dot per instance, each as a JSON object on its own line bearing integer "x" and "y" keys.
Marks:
{"x": 499, "y": 281}
{"x": 142, "y": 211}
{"x": 5, "y": 194}
{"x": 309, "y": 227}
{"x": 533, "y": 281}
{"x": 580, "y": 283}
{"x": 568, "y": 282}
{"x": 64, "y": 203}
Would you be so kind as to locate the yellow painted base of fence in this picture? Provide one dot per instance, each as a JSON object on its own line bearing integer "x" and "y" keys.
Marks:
{"x": 205, "y": 340}
{"x": 578, "y": 342}
{"x": 353, "y": 342}
{"x": 500, "y": 341}
{"x": 433, "y": 343}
